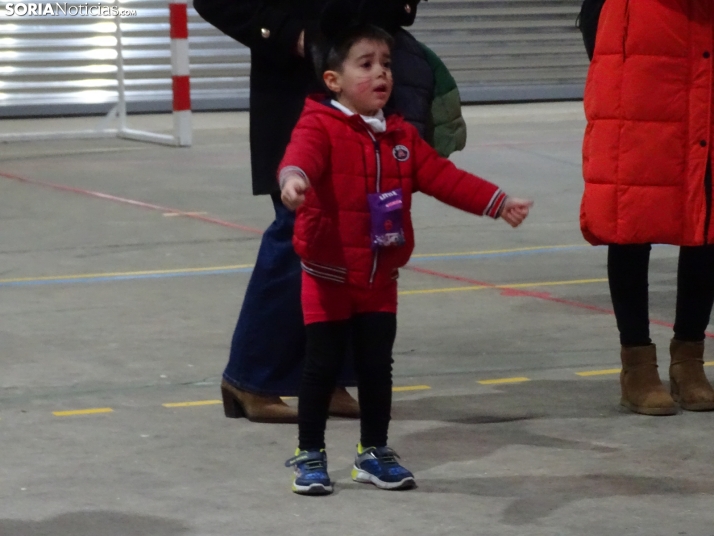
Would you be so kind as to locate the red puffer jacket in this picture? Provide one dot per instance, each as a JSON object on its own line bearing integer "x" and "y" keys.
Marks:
{"x": 648, "y": 101}
{"x": 344, "y": 161}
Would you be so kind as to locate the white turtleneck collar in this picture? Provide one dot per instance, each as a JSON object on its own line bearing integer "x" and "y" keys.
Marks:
{"x": 376, "y": 122}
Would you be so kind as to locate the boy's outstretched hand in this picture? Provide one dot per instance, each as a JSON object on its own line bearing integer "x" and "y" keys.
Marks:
{"x": 293, "y": 192}
{"x": 515, "y": 210}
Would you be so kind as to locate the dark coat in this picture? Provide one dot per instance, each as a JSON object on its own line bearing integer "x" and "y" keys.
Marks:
{"x": 280, "y": 79}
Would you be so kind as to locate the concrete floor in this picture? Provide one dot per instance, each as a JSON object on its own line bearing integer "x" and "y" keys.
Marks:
{"x": 118, "y": 308}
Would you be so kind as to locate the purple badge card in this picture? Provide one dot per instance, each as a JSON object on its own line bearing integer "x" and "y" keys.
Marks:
{"x": 386, "y": 211}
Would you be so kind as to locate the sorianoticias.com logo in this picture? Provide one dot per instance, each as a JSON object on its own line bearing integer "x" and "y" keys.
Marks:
{"x": 65, "y": 9}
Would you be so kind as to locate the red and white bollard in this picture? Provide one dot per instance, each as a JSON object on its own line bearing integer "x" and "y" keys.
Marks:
{"x": 180, "y": 71}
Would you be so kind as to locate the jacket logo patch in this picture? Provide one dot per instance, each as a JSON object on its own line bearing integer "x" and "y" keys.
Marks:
{"x": 401, "y": 153}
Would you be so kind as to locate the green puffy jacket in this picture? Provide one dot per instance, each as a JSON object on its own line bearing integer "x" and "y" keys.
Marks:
{"x": 446, "y": 131}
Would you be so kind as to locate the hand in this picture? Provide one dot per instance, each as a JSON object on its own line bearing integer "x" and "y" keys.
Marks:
{"x": 301, "y": 44}
{"x": 293, "y": 193}
{"x": 515, "y": 210}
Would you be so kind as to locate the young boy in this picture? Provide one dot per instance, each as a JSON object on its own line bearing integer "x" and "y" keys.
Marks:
{"x": 350, "y": 172}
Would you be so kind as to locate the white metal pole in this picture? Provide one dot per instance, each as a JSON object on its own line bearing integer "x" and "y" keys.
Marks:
{"x": 180, "y": 79}
{"x": 121, "y": 104}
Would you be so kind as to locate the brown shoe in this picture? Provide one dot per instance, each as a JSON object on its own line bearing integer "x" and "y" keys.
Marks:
{"x": 255, "y": 408}
{"x": 642, "y": 389}
{"x": 688, "y": 383}
{"x": 343, "y": 405}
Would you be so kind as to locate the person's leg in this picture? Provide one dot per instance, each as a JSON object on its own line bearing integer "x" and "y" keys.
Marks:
{"x": 268, "y": 346}
{"x": 326, "y": 345}
{"x": 627, "y": 269}
{"x": 375, "y": 462}
{"x": 695, "y": 293}
{"x": 642, "y": 389}
{"x": 374, "y": 335}
{"x": 269, "y": 339}
{"x": 695, "y": 296}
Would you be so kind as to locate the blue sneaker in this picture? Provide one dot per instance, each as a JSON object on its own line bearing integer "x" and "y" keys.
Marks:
{"x": 379, "y": 466}
{"x": 311, "y": 476}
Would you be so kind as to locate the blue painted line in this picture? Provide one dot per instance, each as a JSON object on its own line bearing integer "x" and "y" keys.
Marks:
{"x": 129, "y": 277}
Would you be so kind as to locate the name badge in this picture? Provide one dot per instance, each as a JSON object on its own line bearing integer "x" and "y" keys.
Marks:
{"x": 386, "y": 211}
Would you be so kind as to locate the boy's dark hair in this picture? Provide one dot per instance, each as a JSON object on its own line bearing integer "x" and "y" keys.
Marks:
{"x": 330, "y": 52}
{"x": 333, "y": 50}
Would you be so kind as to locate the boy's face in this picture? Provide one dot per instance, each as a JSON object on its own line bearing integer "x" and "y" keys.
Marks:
{"x": 365, "y": 83}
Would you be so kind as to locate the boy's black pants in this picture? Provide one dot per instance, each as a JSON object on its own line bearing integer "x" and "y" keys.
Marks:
{"x": 627, "y": 267}
{"x": 372, "y": 336}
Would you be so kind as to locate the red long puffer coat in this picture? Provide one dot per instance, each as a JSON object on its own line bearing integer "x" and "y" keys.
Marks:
{"x": 344, "y": 161}
{"x": 648, "y": 102}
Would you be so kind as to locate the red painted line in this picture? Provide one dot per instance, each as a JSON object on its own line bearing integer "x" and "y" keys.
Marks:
{"x": 133, "y": 202}
{"x": 517, "y": 292}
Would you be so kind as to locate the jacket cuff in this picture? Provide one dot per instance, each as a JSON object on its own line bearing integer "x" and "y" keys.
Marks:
{"x": 289, "y": 171}
{"x": 496, "y": 204}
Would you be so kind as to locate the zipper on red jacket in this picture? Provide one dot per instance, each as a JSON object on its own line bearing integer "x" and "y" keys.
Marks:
{"x": 378, "y": 156}
{"x": 708, "y": 197}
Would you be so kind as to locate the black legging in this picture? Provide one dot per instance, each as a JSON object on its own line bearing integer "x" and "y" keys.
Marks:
{"x": 627, "y": 267}
{"x": 372, "y": 336}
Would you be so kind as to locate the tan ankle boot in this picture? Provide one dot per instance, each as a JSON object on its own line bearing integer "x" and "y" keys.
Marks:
{"x": 688, "y": 383}
{"x": 343, "y": 405}
{"x": 256, "y": 408}
{"x": 642, "y": 390}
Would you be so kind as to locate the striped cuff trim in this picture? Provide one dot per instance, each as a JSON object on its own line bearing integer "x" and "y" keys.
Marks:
{"x": 495, "y": 206}
{"x": 289, "y": 171}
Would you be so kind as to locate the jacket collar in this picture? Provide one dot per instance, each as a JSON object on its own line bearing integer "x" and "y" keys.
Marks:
{"x": 320, "y": 104}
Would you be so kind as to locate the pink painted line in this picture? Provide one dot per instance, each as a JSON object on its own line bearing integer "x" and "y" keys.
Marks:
{"x": 133, "y": 202}
{"x": 547, "y": 296}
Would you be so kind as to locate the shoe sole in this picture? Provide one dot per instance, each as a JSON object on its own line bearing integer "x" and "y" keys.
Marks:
{"x": 312, "y": 489}
{"x": 363, "y": 477}
{"x": 655, "y": 412}
{"x": 697, "y": 406}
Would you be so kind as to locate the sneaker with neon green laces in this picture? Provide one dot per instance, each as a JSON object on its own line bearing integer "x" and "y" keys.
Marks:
{"x": 379, "y": 466}
{"x": 311, "y": 476}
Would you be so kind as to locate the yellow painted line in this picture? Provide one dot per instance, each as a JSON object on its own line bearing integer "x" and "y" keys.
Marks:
{"x": 123, "y": 274}
{"x": 603, "y": 372}
{"x": 499, "y": 381}
{"x": 190, "y": 404}
{"x": 493, "y": 251}
{"x": 709, "y": 363}
{"x": 439, "y": 290}
{"x": 91, "y": 411}
{"x": 513, "y": 285}
{"x": 410, "y": 388}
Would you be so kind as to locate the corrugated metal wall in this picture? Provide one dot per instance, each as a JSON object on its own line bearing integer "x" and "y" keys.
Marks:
{"x": 498, "y": 50}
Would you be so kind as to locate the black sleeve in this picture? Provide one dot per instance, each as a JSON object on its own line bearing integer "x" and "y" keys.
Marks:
{"x": 264, "y": 27}
{"x": 390, "y": 14}
{"x": 588, "y": 22}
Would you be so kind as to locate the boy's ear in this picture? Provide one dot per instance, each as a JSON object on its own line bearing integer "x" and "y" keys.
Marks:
{"x": 332, "y": 81}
